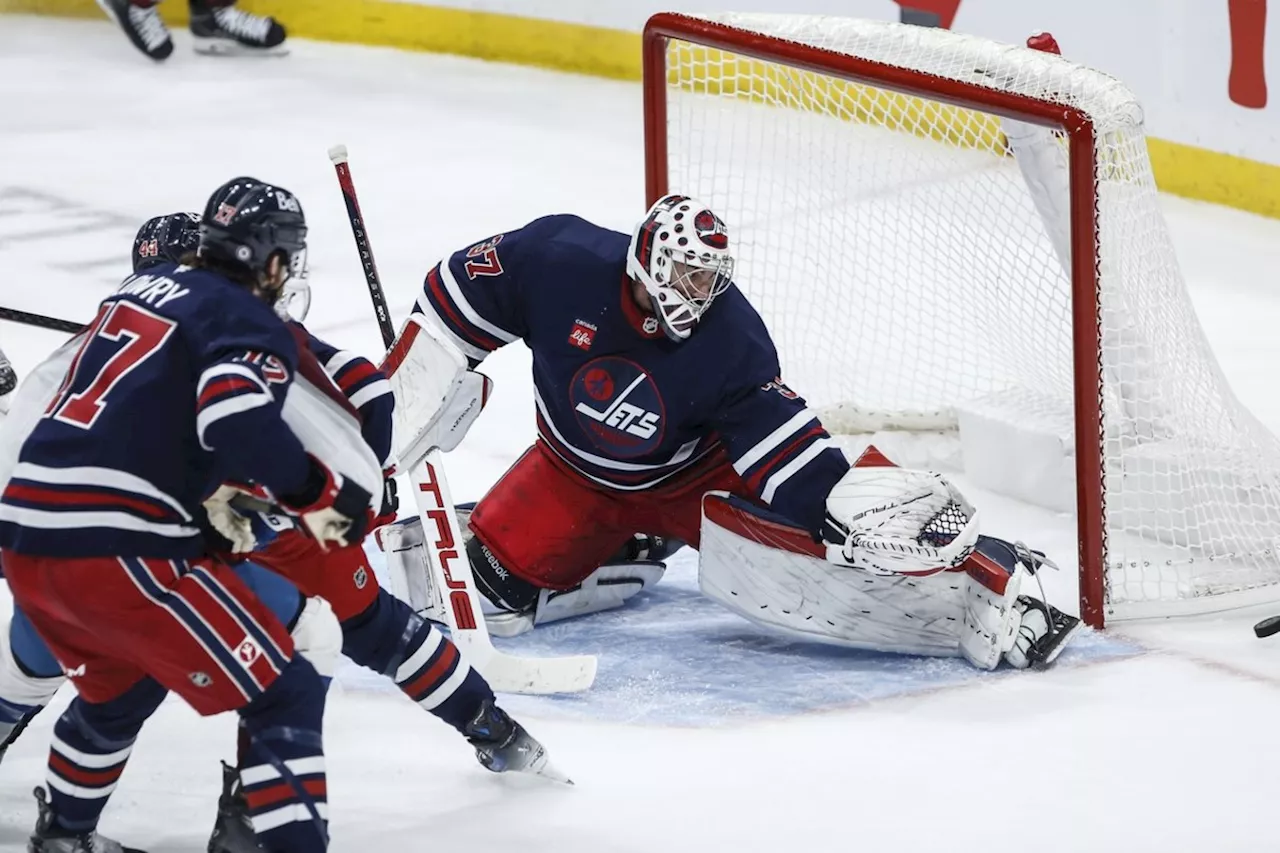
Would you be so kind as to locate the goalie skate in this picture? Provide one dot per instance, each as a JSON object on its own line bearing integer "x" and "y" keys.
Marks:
{"x": 1042, "y": 636}
{"x": 607, "y": 588}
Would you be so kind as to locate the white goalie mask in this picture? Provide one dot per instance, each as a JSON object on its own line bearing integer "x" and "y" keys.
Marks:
{"x": 680, "y": 254}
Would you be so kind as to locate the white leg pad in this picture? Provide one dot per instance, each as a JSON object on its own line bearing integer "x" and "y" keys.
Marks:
{"x": 318, "y": 636}
{"x": 19, "y": 688}
{"x": 991, "y": 620}
{"x": 806, "y": 596}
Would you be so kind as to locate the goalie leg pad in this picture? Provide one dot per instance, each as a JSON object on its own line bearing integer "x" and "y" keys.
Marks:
{"x": 391, "y": 639}
{"x": 773, "y": 574}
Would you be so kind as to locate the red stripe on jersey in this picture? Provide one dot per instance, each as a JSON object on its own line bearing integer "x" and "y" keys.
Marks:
{"x": 63, "y": 498}
{"x": 461, "y": 326}
{"x": 754, "y": 481}
{"x": 355, "y": 373}
{"x": 422, "y": 686}
{"x": 224, "y": 386}
{"x": 88, "y": 778}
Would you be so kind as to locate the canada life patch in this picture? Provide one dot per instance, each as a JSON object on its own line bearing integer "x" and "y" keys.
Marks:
{"x": 711, "y": 230}
{"x": 582, "y": 334}
{"x": 618, "y": 406}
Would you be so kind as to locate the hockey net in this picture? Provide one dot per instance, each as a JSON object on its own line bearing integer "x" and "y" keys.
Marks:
{"x": 912, "y": 281}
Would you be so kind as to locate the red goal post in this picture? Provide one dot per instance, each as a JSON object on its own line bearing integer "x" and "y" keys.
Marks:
{"x": 736, "y": 76}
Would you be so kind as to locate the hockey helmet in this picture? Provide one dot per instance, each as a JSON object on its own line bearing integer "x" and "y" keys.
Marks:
{"x": 680, "y": 254}
{"x": 165, "y": 239}
{"x": 247, "y": 222}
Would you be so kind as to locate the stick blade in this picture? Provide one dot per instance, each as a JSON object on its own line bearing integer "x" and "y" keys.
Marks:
{"x": 539, "y": 676}
{"x": 338, "y": 154}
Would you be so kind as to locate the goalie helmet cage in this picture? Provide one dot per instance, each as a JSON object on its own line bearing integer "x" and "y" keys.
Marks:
{"x": 907, "y": 273}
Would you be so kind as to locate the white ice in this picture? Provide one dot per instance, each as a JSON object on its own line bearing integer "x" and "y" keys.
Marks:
{"x": 704, "y": 735}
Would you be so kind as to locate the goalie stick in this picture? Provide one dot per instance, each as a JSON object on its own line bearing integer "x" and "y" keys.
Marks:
{"x": 446, "y": 560}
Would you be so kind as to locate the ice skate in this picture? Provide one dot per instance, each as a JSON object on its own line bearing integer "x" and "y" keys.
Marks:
{"x": 142, "y": 25}
{"x": 228, "y": 31}
{"x": 233, "y": 829}
{"x": 48, "y": 839}
{"x": 503, "y": 746}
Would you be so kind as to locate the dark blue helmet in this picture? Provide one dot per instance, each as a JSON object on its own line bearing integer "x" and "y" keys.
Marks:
{"x": 165, "y": 238}
{"x": 247, "y": 221}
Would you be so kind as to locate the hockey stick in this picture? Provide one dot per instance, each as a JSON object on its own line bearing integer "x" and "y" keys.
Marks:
{"x": 447, "y": 563}
{"x": 338, "y": 154}
{"x": 40, "y": 320}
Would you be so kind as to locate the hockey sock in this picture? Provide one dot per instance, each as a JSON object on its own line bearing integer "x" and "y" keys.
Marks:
{"x": 283, "y": 766}
{"x": 389, "y": 638}
{"x": 91, "y": 744}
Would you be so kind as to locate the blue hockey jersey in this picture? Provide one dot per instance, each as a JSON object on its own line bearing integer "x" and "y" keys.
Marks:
{"x": 617, "y": 400}
{"x": 177, "y": 386}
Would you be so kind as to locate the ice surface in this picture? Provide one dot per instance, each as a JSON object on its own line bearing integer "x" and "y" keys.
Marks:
{"x": 703, "y": 734}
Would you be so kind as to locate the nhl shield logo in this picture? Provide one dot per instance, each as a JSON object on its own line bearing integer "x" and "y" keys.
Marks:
{"x": 361, "y": 577}
{"x": 200, "y": 679}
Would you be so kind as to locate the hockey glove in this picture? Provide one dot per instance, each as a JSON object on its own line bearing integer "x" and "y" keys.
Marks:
{"x": 331, "y": 507}
{"x": 390, "y": 499}
{"x": 231, "y": 531}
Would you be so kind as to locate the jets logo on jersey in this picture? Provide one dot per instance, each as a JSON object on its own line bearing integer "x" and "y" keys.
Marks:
{"x": 618, "y": 406}
{"x": 711, "y": 230}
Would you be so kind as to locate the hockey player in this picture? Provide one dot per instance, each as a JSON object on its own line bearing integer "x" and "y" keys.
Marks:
{"x": 176, "y": 386}
{"x": 218, "y": 28}
{"x": 378, "y": 630}
{"x": 656, "y": 383}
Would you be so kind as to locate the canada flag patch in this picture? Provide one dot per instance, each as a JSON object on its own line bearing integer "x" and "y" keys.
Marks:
{"x": 582, "y": 334}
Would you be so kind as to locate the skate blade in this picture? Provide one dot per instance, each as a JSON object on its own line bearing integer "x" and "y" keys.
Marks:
{"x": 544, "y": 768}
{"x": 230, "y": 47}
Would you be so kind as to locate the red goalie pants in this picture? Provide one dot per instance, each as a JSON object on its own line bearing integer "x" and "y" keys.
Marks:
{"x": 192, "y": 625}
{"x": 552, "y": 527}
{"x": 341, "y": 576}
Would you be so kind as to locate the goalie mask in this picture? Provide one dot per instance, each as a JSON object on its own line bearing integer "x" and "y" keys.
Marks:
{"x": 680, "y": 254}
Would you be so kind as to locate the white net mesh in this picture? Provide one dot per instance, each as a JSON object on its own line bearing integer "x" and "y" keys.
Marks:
{"x": 909, "y": 274}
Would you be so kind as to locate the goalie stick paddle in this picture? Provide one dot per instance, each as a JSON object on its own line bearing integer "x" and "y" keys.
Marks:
{"x": 40, "y": 320}
{"x": 447, "y": 563}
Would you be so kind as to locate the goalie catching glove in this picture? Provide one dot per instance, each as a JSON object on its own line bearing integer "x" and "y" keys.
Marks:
{"x": 891, "y": 520}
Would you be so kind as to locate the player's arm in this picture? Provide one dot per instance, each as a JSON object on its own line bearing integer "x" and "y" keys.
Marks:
{"x": 782, "y": 452}
{"x": 474, "y": 296}
{"x": 240, "y": 394}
